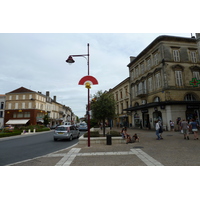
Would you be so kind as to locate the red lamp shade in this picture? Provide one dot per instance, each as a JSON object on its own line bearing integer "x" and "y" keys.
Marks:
{"x": 70, "y": 60}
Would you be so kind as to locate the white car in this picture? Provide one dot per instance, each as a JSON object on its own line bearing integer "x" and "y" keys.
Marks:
{"x": 66, "y": 132}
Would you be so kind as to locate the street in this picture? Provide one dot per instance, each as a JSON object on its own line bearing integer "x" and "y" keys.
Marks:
{"x": 19, "y": 148}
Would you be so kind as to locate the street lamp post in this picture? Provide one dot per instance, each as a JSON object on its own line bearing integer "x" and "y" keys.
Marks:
{"x": 70, "y": 60}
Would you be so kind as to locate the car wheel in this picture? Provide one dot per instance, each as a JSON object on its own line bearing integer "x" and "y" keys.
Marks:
{"x": 78, "y": 135}
{"x": 70, "y": 138}
{"x": 55, "y": 139}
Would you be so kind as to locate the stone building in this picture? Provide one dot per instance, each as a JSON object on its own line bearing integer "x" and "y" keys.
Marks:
{"x": 121, "y": 93}
{"x": 24, "y": 106}
{"x": 162, "y": 81}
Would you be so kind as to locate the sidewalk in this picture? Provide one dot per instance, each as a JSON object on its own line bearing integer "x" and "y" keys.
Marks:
{"x": 173, "y": 150}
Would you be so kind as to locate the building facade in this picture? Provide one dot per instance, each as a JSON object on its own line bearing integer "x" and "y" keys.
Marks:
{"x": 2, "y": 109}
{"x": 162, "y": 82}
{"x": 24, "y": 106}
{"x": 121, "y": 94}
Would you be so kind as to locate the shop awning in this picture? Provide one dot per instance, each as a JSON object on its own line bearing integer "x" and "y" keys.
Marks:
{"x": 17, "y": 121}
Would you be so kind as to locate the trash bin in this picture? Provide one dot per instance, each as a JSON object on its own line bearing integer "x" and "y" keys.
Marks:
{"x": 109, "y": 139}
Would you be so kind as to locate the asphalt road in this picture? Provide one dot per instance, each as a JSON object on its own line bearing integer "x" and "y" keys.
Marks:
{"x": 18, "y": 148}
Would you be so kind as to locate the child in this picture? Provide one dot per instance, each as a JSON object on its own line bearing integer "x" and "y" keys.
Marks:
{"x": 135, "y": 138}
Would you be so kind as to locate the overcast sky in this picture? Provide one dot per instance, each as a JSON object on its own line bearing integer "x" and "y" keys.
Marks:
{"x": 37, "y": 62}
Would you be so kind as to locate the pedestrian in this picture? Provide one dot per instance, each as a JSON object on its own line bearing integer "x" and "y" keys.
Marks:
{"x": 194, "y": 127}
{"x": 123, "y": 131}
{"x": 160, "y": 129}
{"x": 171, "y": 125}
{"x": 184, "y": 129}
{"x": 126, "y": 135}
{"x": 178, "y": 122}
{"x": 157, "y": 130}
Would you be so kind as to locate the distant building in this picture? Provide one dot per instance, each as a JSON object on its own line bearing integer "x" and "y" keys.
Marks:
{"x": 2, "y": 109}
{"x": 161, "y": 83}
{"x": 121, "y": 94}
{"x": 27, "y": 107}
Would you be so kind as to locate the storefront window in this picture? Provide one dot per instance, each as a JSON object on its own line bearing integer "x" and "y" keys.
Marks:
{"x": 137, "y": 120}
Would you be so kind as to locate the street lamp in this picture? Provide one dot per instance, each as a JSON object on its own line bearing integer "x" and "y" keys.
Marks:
{"x": 87, "y": 81}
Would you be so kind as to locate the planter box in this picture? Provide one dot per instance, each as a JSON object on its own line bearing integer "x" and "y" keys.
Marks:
{"x": 101, "y": 140}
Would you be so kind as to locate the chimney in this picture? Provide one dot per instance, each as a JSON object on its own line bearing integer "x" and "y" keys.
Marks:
{"x": 54, "y": 98}
{"x": 132, "y": 58}
{"x": 47, "y": 93}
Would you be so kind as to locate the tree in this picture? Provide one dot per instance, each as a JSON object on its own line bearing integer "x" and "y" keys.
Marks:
{"x": 46, "y": 120}
{"x": 103, "y": 107}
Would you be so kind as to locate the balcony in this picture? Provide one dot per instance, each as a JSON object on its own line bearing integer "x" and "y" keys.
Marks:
{"x": 141, "y": 93}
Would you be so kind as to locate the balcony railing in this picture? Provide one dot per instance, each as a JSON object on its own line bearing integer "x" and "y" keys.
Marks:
{"x": 141, "y": 93}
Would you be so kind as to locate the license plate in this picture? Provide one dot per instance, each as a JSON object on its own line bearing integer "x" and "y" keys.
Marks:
{"x": 60, "y": 133}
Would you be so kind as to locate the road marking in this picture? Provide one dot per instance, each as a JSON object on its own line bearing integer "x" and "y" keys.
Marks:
{"x": 70, "y": 156}
{"x": 148, "y": 160}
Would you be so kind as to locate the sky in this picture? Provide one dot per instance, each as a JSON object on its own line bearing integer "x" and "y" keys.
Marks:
{"x": 37, "y": 61}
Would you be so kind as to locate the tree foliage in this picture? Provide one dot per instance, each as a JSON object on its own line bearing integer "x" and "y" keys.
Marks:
{"x": 103, "y": 107}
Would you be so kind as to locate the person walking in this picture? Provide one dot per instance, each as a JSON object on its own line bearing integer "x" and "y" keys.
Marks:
{"x": 160, "y": 129}
{"x": 157, "y": 130}
{"x": 184, "y": 129}
{"x": 171, "y": 125}
{"x": 194, "y": 127}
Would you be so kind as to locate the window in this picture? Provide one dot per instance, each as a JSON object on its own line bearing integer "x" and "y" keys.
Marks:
{"x": 142, "y": 68}
{"x": 176, "y": 55}
{"x": 2, "y": 105}
{"x": 136, "y": 72}
{"x": 9, "y": 106}
{"x": 179, "y": 79}
{"x": 116, "y": 96}
{"x": 148, "y": 64}
{"x": 121, "y": 107}
{"x": 155, "y": 59}
{"x": 17, "y": 97}
{"x": 196, "y": 75}
{"x": 23, "y": 105}
{"x": 189, "y": 97}
{"x": 121, "y": 94}
{"x": 150, "y": 84}
{"x": 16, "y": 105}
{"x": 29, "y": 105}
{"x": 157, "y": 80}
{"x": 156, "y": 99}
{"x": 193, "y": 56}
{"x": 1, "y": 114}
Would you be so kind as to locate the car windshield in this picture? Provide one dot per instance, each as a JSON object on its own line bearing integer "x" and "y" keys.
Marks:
{"x": 61, "y": 128}
{"x": 83, "y": 124}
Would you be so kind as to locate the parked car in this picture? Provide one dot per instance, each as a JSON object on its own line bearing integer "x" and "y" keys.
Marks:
{"x": 54, "y": 126}
{"x": 8, "y": 127}
{"x": 67, "y": 123}
{"x": 66, "y": 132}
{"x": 83, "y": 127}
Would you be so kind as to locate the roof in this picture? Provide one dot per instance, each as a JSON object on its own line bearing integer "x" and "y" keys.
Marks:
{"x": 159, "y": 39}
{"x": 21, "y": 90}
